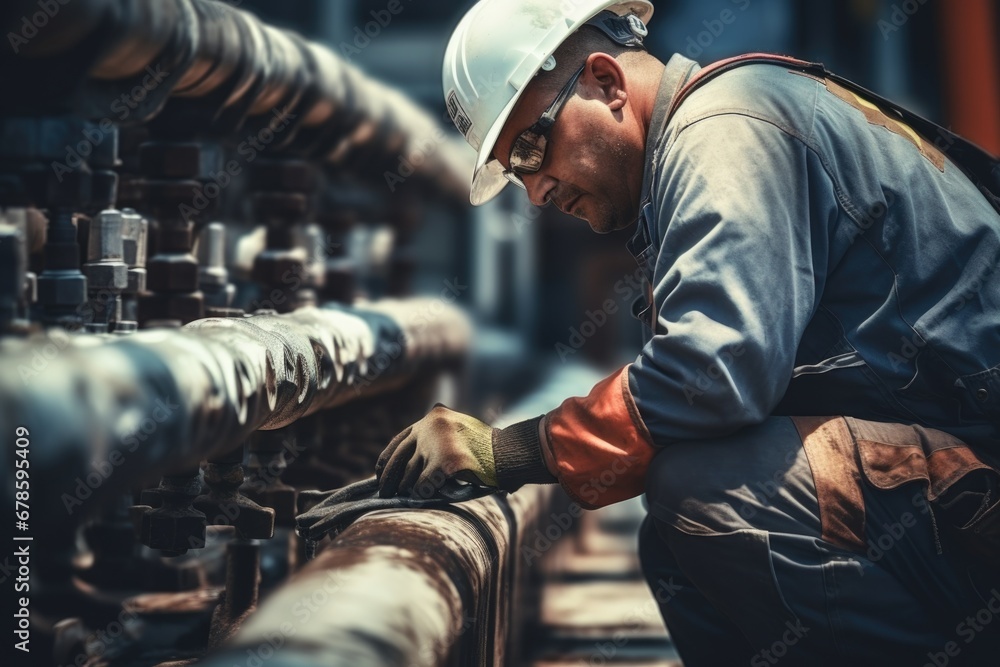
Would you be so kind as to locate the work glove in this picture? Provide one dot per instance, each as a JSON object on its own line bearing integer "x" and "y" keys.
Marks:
{"x": 448, "y": 445}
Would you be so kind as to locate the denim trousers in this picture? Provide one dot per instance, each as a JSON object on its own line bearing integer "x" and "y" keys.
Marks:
{"x": 732, "y": 551}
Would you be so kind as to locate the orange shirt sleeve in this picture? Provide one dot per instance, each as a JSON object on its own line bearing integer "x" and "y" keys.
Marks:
{"x": 599, "y": 445}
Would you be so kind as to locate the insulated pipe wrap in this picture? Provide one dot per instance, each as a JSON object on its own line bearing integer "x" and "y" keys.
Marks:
{"x": 162, "y": 400}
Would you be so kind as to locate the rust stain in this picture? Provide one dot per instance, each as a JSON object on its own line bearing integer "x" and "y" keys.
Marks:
{"x": 199, "y": 601}
{"x": 876, "y": 116}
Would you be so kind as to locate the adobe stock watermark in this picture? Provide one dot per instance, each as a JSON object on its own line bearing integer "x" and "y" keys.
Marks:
{"x": 894, "y": 532}
{"x": 417, "y": 156}
{"x": 967, "y": 629}
{"x": 543, "y": 540}
{"x": 428, "y": 146}
{"x": 302, "y": 611}
{"x": 706, "y": 377}
{"x": 94, "y": 135}
{"x": 102, "y": 470}
{"x": 291, "y": 280}
{"x": 627, "y": 288}
{"x": 898, "y": 17}
{"x": 247, "y": 150}
{"x": 536, "y": 545}
{"x": 767, "y": 489}
{"x": 32, "y": 23}
{"x": 714, "y": 28}
{"x": 604, "y": 653}
{"x": 772, "y": 654}
{"x": 385, "y": 357}
{"x": 363, "y": 35}
{"x": 42, "y": 356}
{"x": 910, "y": 346}
{"x": 99, "y": 643}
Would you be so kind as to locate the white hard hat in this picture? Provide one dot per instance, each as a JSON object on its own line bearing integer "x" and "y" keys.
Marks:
{"x": 495, "y": 51}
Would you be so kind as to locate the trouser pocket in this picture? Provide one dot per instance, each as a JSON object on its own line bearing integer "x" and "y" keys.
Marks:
{"x": 971, "y": 515}
{"x": 962, "y": 491}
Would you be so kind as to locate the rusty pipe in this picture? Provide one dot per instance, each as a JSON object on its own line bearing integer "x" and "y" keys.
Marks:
{"x": 400, "y": 588}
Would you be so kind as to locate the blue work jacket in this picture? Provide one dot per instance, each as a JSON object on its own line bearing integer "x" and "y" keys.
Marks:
{"x": 808, "y": 254}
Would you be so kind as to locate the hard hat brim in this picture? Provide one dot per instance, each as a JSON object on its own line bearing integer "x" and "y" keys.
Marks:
{"x": 487, "y": 177}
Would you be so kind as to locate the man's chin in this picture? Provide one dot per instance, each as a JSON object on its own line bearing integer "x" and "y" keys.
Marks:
{"x": 603, "y": 223}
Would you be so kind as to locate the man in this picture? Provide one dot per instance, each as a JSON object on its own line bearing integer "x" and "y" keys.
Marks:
{"x": 816, "y": 413}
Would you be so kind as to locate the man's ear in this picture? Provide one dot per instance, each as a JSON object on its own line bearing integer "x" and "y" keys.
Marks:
{"x": 605, "y": 74}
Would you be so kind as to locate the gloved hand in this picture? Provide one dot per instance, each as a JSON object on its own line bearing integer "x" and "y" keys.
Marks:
{"x": 450, "y": 445}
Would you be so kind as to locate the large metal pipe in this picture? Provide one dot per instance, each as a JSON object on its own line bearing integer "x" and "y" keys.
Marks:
{"x": 110, "y": 412}
{"x": 402, "y": 588}
{"x": 201, "y": 68}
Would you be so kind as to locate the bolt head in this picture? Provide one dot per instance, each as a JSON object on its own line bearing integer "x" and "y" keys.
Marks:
{"x": 172, "y": 273}
{"x": 280, "y": 268}
{"x": 105, "y": 237}
{"x": 110, "y": 276}
{"x": 173, "y": 530}
{"x": 69, "y": 289}
{"x": 136, "y": 281}
{"x": 181, "y": 307}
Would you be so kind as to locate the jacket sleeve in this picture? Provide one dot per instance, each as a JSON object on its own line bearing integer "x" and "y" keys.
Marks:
{"x": 742, "y": 211}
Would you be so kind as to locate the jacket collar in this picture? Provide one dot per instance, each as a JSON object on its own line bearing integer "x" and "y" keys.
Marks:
{"x": 676, "y": 73}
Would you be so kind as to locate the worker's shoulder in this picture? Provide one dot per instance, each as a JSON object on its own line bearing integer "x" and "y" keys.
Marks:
{"x": 770, "y": 93}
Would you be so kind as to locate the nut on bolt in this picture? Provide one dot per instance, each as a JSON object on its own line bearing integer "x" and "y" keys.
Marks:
{"x": 105, "y": 239}
{"x": 105, "y": 268}
{"x": 62, "y": 288}
{"x": 106, "y": 276}
{"x": 280, "y": 268}
{"x": 172, "y": 273}
{"x": 173, "y": 530}
{"x": 181, "y": 307}
{"x": 135, "y": 230}
{"x": 169, "y": 159}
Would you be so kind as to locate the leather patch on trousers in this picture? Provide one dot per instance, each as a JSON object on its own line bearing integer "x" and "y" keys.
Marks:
{"x": 963, "y": 492}
{"x": 894, "y": 454}
{"x": 832, "y": 456}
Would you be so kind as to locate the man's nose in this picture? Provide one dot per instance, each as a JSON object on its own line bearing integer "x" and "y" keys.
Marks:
{"x": 539, "y": 187}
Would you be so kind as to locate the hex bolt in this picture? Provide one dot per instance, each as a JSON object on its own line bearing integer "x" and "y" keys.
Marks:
{"x": 106, "y": 271}
{"x": 213, "y": 278}
{"x": 62, "y": 288}
{"x": 135, "y": 234}
{"x": 175, "y": 526}
{"x": 267, "y": 463}
{"x": 171, "y": 171}
{"x": 224, "y": 505}
{"x": 105, "y": 242}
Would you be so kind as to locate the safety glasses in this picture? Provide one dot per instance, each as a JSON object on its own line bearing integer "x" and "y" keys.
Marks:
{"x": 528, "y": 151}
